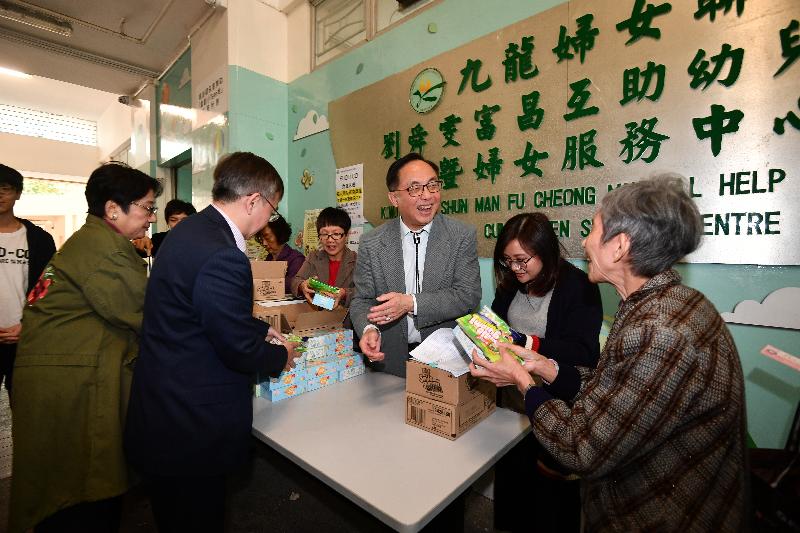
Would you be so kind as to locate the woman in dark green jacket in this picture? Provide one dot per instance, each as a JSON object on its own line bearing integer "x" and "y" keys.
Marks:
{"x": 74, "y": 364}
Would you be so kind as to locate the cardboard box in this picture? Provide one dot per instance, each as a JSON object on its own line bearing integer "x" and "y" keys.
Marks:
{"x": 352, "y": 372}
{"x": 315, "y": 371}
{"x": 310, "y": 324}
{"x": 324, "y": 301}
{"x": 299, "y": 317}
{"x": 444, "y": 419}
{"x": 343, "y": 363}
{"x": 448, "y": 406}
{"x": 436, "y": 384}
{"x": 269, "y": 279}
{"x": 283, "y": 393}
{"x": 322, "y": 381}
{"x": 285, "y": 379}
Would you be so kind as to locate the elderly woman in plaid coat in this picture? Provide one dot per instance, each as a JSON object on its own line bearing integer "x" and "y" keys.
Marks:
{"x": 657, "y": 430}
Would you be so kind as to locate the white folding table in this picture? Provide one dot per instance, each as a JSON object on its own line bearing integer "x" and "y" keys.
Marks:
{"x": 352, "y": 436}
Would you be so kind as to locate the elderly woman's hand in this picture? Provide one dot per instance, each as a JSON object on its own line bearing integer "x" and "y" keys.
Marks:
{"x": 506, "y": 371}
{"x": 535, "y": 363}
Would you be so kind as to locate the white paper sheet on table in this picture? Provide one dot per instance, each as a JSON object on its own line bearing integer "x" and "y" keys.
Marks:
{"x": 441, "y": 350}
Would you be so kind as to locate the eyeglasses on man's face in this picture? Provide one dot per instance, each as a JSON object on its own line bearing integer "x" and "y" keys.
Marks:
{"x": 275, "y": 216}
{"x": 336, "y": 236}
{"x": 150, "y": 209}
{"x": 415, "y": 189}
{"x": 515, "y": 264}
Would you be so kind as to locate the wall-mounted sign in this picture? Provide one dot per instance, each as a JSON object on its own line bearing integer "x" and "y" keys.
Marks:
{"x": 210, "y": 94}
{"x": 551, "y": 113}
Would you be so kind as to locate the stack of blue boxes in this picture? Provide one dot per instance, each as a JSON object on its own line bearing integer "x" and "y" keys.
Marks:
{"x": 328, "y": 359}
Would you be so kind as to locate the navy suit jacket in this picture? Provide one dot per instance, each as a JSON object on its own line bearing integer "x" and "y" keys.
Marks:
{"x": 191, "y": 408}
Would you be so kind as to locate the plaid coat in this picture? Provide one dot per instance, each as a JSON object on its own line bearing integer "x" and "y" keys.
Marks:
{"x": 657, "y": 431}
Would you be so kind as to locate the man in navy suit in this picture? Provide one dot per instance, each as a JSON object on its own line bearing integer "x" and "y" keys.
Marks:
{"x": 190, "y": 414}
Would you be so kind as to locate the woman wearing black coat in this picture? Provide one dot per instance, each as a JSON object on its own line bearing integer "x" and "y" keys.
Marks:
{"x": 553, "y": 303}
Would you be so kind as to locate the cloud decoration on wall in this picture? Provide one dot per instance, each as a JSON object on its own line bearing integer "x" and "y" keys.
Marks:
{"x": 780, "y": 309}
{"x": 312, "y": 123}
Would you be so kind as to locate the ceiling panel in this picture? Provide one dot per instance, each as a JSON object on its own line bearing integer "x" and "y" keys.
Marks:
{"x": 100, "y": 53}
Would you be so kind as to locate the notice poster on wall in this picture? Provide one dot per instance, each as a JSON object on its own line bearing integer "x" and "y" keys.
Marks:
{"x": 210, "y": 93}
{"x": 354, "y": 237}
{"x": 350, "y": 191}
{"x": 310, "y": 238}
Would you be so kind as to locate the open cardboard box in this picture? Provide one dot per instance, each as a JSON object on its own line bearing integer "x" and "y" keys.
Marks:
{"x": 445, "y": 405}
{"x": 269, "y": 279}
{"x": 299, "y": 317}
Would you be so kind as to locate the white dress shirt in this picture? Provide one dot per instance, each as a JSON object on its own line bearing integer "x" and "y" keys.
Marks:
{"x": 237, "y": 233}
{"x": 410, "y": 268}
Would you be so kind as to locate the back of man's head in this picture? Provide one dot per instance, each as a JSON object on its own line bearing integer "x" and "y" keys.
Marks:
{"x": 242, "y": 173}
{"x": 9, "y": 176}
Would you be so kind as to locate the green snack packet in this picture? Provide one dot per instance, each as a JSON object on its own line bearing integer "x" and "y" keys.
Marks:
{"x": 485, "y": 333}
{"x": 301, "y": 344}
{"x": 319, "y": 286}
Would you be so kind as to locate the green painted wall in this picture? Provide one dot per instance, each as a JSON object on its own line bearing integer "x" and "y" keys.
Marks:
{"x": 264, "y": 114}
{"x": 184, "y": 182}
{"x": 257, "y": 118}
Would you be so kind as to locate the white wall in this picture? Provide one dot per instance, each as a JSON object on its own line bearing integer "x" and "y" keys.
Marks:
{"x": 210, "y": 56}
{"x": 113, "y": 129}
{"x": 299, "y": 43}
{"x": 258, "y": 38}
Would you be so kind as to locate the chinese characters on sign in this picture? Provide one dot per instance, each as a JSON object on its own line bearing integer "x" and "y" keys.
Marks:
{"x": 556, "y": 110}
{"x": 350, "y": 191}
{"x": 210, "y": 96}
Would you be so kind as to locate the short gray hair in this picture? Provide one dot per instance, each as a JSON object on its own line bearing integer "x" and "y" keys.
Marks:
{"x": 659, "y": 217}
{"x": 242, "y": 173}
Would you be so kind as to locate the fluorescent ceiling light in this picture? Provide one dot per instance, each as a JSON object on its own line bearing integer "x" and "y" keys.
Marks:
{"x": 14, "y": 73}
{"x": 37, "y": 20}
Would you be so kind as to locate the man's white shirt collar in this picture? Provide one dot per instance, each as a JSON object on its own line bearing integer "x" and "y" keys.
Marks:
{"x": 237, "y": 233}
{"x": 405, "y": 230}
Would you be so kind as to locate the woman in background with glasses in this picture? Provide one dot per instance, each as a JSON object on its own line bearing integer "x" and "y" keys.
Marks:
{"x": 553, "y": 303}
{"x": 274, "y": 238}
{"x": 75, "y": 362}
{"x": 333, "y": 263}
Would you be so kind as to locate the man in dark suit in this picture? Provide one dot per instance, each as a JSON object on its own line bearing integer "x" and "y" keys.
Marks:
{"x": 414, "y": 274}
{"x": 190, "y": 414}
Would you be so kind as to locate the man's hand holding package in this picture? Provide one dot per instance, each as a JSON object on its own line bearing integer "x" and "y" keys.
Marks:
{"x": 392, "y": 306}
{"x": 291, "y": 354}
{"x": 370, "y": 345}
{"x": 273, "y": 333}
